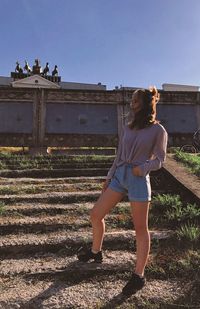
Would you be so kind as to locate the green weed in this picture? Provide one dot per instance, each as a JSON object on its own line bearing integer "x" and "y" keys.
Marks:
{"x": 188, "y": 233}
{"x": 190, "y": 161}
{"x": 166, "y": 208}
{"x": 2, "y": 208}
{"x": 167, "y": 200}
{"x": 169, "y": 211}
{"x": 191, "y": 213}
{"x": 2, "y": 165}
{"x": 121, "y": 209}
{"x": 120, "y": 221}
{"x": 7, "y": 190}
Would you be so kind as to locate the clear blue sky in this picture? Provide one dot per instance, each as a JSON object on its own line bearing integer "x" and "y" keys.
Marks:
{"x": 133, "y": 43}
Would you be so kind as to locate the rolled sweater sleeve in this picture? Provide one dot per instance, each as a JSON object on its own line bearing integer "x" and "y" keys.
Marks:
{"x": 117, "y": 158}
{"x": 159, "y": 154}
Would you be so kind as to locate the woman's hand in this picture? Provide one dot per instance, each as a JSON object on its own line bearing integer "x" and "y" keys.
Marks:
{"x": 137, "y": 171}
{"x": 105, "y": 185}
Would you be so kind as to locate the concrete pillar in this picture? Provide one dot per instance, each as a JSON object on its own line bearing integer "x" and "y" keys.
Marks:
{"x": 39, "y": 116}
{"x": 198, "y": 110}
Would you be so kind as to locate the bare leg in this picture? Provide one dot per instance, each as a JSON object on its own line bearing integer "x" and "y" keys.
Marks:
{"x": 140, "y": 212}
{"x": 105, "y": 203}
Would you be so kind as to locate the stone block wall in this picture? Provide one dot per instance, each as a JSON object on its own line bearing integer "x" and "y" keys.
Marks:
{"x": 76, "y": 118}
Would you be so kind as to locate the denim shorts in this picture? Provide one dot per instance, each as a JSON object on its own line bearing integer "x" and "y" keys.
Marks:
{"x": 138, "y": 188}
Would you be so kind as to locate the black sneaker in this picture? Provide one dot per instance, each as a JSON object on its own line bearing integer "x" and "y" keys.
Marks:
{"x": 87, "y": 255}
{"x": 134, "y": 284}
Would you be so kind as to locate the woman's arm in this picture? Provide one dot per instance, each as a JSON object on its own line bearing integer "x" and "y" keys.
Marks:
{"x": 159, "y": 153}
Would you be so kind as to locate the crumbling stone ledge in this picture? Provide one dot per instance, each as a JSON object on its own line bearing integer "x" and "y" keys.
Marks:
{"x": 184, "y": 179}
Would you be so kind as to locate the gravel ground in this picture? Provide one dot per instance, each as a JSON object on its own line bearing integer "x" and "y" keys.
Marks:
{"x": 99, "y": 293}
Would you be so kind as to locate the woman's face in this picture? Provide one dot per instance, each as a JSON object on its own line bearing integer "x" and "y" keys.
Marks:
{"x": 135, "y": 104}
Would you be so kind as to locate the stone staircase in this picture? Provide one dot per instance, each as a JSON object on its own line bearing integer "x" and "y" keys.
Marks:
{"x": 45, "y": 221}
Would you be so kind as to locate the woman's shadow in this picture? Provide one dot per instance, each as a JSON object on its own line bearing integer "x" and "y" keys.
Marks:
{"x": 73, "y": 274}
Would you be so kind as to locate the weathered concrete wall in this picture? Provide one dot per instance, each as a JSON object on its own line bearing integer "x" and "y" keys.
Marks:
{"x": 43, "y": 117}
{"x": 17, "y": 112}
{"x": 180, "y": 114}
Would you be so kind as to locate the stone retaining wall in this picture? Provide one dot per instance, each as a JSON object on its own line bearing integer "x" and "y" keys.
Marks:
{"x": 39, "y": 118}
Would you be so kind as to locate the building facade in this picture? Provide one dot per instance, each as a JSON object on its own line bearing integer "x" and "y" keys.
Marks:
{"x": 38, "y": 113}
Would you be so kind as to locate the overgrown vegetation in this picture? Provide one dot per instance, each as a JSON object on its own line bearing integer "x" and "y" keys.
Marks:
{"x": 192, "y": 161}
{"x": 168, "y": 211}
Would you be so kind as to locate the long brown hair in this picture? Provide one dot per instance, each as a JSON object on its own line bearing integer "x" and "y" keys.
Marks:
{"x": 146, "y": 116}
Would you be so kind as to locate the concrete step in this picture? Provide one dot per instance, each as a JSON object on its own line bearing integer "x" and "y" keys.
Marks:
{"x": 33, "y": 209}
{"x": 18, "y": 188}
{"x": 57, "y": 173}
{"x": 40, "y": 181}
{"x": 68, "y": 242}
{"x": 53, "y": 263}
{"x": 42, "y": 225}
{"x": 56, "y": 158}
{"x": 58, "y": 197}
{"x": 56, "y": 166}
{"x": 52, "y": 197}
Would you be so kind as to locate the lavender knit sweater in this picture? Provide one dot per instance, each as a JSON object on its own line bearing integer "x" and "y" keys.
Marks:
{"x": 145, "y": 148}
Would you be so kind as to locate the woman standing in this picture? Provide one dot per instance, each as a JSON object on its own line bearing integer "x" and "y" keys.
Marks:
{"x": 142, "y": 149}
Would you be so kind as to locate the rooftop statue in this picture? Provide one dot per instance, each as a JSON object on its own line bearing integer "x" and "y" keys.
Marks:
{"x": 36, "y": 67}
{"x": 46, "y": 69}
{"x": 55, "y": 71}
{"x": 27, "y": 67}
{"x": 18, "y": 68}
